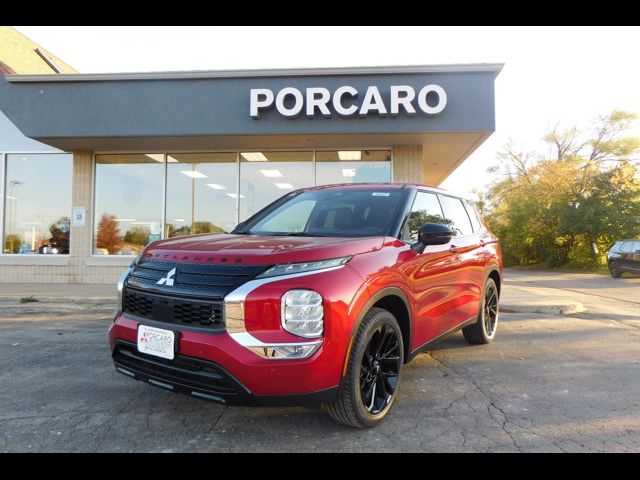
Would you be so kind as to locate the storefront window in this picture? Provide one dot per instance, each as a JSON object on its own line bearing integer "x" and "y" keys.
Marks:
{"x": 351, "y": 166}
{"x": 128, "y": 202}
{"x": 202, "y": 191}
{"x": 266, "y": 176}
{"x": 37, "y": 203}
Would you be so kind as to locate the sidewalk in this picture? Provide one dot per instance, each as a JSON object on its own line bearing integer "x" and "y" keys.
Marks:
{"x": 58, "y": 293}
{"x": 515, "y": 298}
{"x": 518, "y": 299}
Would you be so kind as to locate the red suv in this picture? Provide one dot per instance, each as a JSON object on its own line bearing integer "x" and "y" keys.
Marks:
{"x": 319, "y": 298}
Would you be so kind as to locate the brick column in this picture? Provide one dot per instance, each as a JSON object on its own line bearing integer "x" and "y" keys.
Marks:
{"x": 407, "y": 163}
{"x": 80, "y": 247}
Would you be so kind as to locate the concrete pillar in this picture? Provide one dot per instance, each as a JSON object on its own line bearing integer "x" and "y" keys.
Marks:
{"x": 80, "y": 247}
{"x": 407, "y": 163}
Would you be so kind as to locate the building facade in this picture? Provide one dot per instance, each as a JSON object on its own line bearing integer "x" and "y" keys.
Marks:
{"x": 167, "y": 154}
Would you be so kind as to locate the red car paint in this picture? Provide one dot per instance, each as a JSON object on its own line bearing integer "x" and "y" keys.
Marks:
{"x": 442, "y": 286}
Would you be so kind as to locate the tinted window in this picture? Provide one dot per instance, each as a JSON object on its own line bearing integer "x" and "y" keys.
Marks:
{"x": 635, "y": 247}
{"x": 330, "y": 213}
{"x": 456, "y": 215}
{"x": 473, "y": 215}
{"x": 426, "y": 209}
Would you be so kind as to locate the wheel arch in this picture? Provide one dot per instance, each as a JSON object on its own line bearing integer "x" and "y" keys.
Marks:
{"x": 495, "y": 274}
{"x": 394, "y": 300}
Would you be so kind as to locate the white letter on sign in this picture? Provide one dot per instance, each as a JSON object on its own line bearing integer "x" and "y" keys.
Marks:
{"x": 422, "y": 99}
{"x": 298, "y": 103}
{"x": 372, "y": 101}
{"x": 318, "y": 97}
{"x": 405, "y": 100}
{"x": 337, "y": 101}
{"x": 257, "y": 102}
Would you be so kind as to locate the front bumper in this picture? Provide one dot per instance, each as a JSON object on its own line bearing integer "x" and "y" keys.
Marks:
{"x": 202, "y": 379}
{"x": 242, "y": 371}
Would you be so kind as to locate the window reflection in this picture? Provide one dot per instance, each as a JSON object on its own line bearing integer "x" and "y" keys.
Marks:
{"x": 201, "y": 193}
{"x": 351, "y": 166}
{"x": 266, "y": 176}
{"x": 38, "y": 203}
{"x": 128, "y": 205}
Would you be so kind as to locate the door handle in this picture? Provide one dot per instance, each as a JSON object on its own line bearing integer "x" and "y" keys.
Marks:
{"x": 453, "y": 249}
{"x": 482, "y": 243}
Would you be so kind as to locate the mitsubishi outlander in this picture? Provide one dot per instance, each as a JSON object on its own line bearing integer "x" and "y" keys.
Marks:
{"x": 319, "y": 298}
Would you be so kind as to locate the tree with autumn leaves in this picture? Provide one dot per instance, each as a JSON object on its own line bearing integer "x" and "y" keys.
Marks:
{"x": 567, "y": 207}
{"x": 108, "y": 235}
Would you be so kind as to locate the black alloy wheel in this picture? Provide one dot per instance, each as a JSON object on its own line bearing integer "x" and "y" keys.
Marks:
{"x": 490, "y": 306}
{"x": 369, "y": 388}
{"x": 483, "y": 331}
{"x": 379, "y": 369}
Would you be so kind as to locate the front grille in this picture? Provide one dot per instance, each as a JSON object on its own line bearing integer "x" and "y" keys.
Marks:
{"x": 194, "y": 280}
{"x": 183, "y": 374}
{"x": 175, "y": 311}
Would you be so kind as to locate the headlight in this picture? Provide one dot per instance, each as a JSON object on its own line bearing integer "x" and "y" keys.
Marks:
{"x": 302, "y": 313}
{"x": 289, "y": 268}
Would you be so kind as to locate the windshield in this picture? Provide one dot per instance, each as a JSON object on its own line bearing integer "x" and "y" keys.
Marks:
{"x": 329, "y": 213}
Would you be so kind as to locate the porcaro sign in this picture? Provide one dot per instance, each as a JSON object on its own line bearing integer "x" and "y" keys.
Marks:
{"x": 291, "y": 102}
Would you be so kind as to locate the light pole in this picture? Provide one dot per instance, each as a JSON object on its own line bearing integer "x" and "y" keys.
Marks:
{"x": 13, "y": 184}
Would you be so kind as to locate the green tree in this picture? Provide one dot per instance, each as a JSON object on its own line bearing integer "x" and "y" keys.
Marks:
{"x": 137, "y": 236}
{"x": 553, "y": 209}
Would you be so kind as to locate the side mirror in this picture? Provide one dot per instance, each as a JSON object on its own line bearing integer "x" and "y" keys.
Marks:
{"x": 433, "y": 234}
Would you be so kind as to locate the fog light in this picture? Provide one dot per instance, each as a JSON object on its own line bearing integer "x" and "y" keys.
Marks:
{"x": 302, "y": 313}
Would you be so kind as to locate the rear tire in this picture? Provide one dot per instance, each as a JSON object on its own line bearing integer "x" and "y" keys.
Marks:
{"x": 484, "y": 330}
{"x": 373, "y": 373}
{"x": 613, "y": 270}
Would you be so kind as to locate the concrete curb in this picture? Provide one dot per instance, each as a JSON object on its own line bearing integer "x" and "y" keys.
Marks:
{"x": 569, "y": 308}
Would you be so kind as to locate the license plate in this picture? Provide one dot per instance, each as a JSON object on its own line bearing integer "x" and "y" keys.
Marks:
{"x": 156, "y": 341}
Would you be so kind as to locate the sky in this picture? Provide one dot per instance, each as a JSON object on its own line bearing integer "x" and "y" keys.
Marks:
{"x": 551, "y": 75}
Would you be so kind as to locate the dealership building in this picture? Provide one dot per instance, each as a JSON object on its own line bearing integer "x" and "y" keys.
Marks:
{"x": 136, "y": 157}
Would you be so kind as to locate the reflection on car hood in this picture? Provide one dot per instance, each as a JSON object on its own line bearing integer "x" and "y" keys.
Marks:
{"x": 257, "y": 249}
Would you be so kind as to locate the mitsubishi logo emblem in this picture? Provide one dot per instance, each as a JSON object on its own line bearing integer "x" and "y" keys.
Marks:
{"x": 168, "y": 280}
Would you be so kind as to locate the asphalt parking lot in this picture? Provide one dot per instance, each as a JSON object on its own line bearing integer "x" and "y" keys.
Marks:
{"x": 549, "y": 383}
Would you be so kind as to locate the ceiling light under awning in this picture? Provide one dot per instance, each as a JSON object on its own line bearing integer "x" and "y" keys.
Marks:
{"x": 193, "y": 173}
{"x": 216, "y": 186}
{"x": 254, "y": 157}
{"x": 234, "y": 195}
{"x": 350, "y": 155}
{"x": 348, "y": 172}
{"x": 271, "y": 173}
{"x": 284, "y": 186}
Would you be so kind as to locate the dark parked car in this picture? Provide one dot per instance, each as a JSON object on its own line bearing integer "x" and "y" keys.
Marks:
{"x": 624, "y": 256}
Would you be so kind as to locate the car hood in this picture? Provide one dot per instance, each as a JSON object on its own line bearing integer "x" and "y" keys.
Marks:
{"x": 257, "y": 249}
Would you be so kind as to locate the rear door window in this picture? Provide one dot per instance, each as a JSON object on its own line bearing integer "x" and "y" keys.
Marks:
{"x": 456, "y": 215}
{"x": 473, "y": 215}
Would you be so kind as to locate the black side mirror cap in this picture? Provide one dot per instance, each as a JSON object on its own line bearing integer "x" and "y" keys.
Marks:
{"x": 433, "y": 234}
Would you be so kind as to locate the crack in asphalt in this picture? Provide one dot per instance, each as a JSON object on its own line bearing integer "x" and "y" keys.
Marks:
{"x": 501, "y": 423}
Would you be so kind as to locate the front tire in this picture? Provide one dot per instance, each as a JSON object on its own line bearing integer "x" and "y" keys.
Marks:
{"x": 484, "y": 330}
{"x": 613, "y": 270}
{"x": 369, "y": 389}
